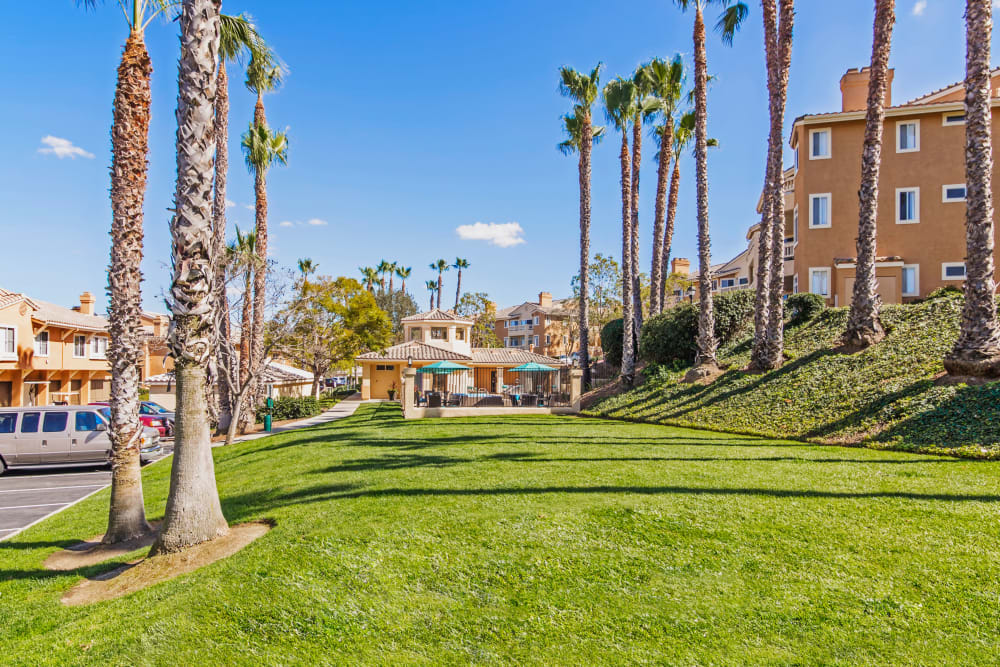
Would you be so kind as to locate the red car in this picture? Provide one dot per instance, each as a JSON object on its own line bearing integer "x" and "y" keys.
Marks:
{"x": 163, "y": 425}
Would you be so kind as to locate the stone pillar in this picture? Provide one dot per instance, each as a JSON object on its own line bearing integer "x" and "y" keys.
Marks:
{"x": 366, "y": 382}
{"x": 575, "y": 387}
{"x": 409, "y": 381}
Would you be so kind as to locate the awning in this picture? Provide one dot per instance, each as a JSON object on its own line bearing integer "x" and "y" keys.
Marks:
{"x": 533, "y": 367}
{"x": 443, "y": 368}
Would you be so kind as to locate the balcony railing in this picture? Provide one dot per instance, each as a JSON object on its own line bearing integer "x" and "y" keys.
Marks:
{"x": 790, "y": 249}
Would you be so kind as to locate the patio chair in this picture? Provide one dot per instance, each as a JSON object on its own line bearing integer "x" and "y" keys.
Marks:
{"x": 434, "y": 400}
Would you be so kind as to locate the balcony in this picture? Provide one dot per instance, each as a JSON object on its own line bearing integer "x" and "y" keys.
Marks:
{"x": 790, "y": 249}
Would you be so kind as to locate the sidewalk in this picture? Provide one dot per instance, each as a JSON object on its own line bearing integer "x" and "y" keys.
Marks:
{"x": 343, "y": 409}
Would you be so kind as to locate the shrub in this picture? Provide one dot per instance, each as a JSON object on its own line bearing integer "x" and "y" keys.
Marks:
{"x": 143, "y": 393}
{"x": 732, "y": 311}
{"x": 804, "y": 306}
{"x": 612, "y": 339}
{"x": 289, "y": 407}
{"x": 947, "y": 290}
{"x": 670, "y": 338}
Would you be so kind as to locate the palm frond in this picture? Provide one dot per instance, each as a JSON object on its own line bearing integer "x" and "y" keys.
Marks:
{"x": 620, "y": 102}
{"x": 263, "y": 148}
{"x": 730, "y": 21}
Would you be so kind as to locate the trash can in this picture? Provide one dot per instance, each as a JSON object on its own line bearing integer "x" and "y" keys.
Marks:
{"x": 267, "y": 417}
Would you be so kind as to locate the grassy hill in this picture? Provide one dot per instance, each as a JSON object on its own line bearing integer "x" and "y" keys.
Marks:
{"x": 885, "y": 397}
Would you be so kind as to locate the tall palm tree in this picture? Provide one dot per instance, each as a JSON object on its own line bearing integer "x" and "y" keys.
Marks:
{"x": 432, "y": 287}
{"x": 193, "y": 513}
{"x": 403, "y": 272}
{"x": 440, "y": 266}
{"x": 238, "y": 37}
{"x": 307, "y": 267}
{"x": 863, "y": 325}
{"x": 243, "y": 260}
{"x": 369, "y": 278}
{"x": 732, "y": 17}
{"x": 977, "y": 350}
{"x": 683, "y": 133}
{"x": 382, "y": 269}
{"x": 583, "y": 90}
{"x": 620, "y": 105}
{"x": 643, "y": 86}
{"x": 459, "y": 265}
{"x": 392, "y": 274}
{"x": 666, "y": 80}
{"x": 129, "y": 151}
{"x": 769, "y": 310}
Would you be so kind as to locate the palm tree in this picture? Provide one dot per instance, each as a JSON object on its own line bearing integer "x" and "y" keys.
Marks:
{"x": 643, "y": 86}
{"x": 977, "y": 350}
{"x": 238, "y": 36}
{"x": 193, "y": 513}
{"x": 582, "y": 89}
{"x": 432, "y": 287}
{"x": 392, "y": 274}
{"x": 403, "y": 272}
{"x": 769, "y": 309}
{"x": 863, "y": 325}
{"x": 369, "y": 278}
{"x": 129, "y": 151}
{"x": 243, "y": 260}
{"x": 732, "y": 17}
{"x": 459, "y": 265}
{"x": 307, "y": 267}
{"x": 620, "y": 104}
{"x": 382, "y": 269}
{"x": 440, "y": 266}
{"x": 666, "y": 81}
{"x": 683, "y": 133}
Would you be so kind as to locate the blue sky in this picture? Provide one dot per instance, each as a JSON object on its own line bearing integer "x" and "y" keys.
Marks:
{"x": 408, "y": 120}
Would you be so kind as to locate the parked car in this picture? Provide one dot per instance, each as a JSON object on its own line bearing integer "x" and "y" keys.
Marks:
{"x": 62, "y": 434}
{"x": 149, "y": 408}
{"x": 162, "y": 422}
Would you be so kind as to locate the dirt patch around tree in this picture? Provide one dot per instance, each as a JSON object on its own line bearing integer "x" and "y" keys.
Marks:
{"x": 147, "y": 572}
{"x": 92, "y": 552}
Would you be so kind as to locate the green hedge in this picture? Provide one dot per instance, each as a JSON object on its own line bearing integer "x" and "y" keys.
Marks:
{"x": 612, "y": 339}
{"x": 288, "y": 407}
{"x": 804, "y": 306}
{"x": 670, "y": 337}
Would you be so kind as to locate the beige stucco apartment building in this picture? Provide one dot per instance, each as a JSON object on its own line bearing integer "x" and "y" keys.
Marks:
{"x": 541, "y": 326}
{"x": 921, "y": 206}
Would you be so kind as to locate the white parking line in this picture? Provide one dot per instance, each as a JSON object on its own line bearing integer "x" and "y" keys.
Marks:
{"x": 64, "y": 474}
{"x": 52, "y": 488}
{"x": 25, "y": 507}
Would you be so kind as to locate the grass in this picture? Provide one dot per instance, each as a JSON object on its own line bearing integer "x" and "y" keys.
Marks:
{"x": 546, "y": 540}
{"x": 885, "y": 397}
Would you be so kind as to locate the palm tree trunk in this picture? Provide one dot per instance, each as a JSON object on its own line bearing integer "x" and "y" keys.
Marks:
{"x": 706, "y": 317}
{"x": 193, "y": 513}
{"x": 586, "y": 145}
{"x": 656, "y": 296}
{"x": 440, "y": 280}
{"x": 259, "y": 286}
{"x": 668, "y": 233}
{"x": 246, "y": 335}
{"x": 458, "y": 289}
{"x": 775, "y": 344}
{"x": 636, "y": 163}
{"x": 977, "y": 351}
{"x": 431, "y": 307}
{"x": 863, "y": 326}
{"x": 222, "y": 356}
{"x": 130, "y": 146}
{"x": 628, "y": 304}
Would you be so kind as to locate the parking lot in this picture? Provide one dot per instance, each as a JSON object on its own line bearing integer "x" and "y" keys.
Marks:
{"x": 29, "y": 495}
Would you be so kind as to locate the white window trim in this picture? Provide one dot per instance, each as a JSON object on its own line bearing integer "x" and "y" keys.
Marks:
{"x": 86, "y": 342}
{"x": 795, "y": 284}
{"x": 944, "y": 193}
{"x": 506, "y": 341}
{"x": 48, "y": 344}
{"x": 947, "y": 123}
{"x": 900, "y": 123}
{"x": 829, "y": 143}
{"x": 10, "y": 355}
{"x": 829, "y": 210}
{"x": 98, "y": 355}
{"x": 829, "y": 277}
{"x": 536, "y": 320}
{"x": 944, "y": 270}
{"x": 916, "y": 280}
{"x": 795, "y": 223}
{"x": 916, "y": 207}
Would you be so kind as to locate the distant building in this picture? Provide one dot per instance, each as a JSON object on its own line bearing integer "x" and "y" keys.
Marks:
{"x": 541, "y": 326}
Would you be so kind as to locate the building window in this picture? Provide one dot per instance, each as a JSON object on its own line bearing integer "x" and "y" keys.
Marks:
{"x": 548, "y": 339}
{"x": 97, "y": 385}
{"x": 439, "y": 333}
{"x": 907, "y": 206}
{"x": 911, "y": 280}
{"x": 795, "y": 223}
{"x": 953, "y": 271}
{"x": 819, "y": 281}
{"x": 953, "y": 118}
{"x": 8, "y": 343}
{"x": 795, "y": 284}
{"x": 505, "y": 324}
{"x": 907, "y": 136}
{"x": 953, "y": 193}
{"x": 819, "y": 144}
{"x": 534, "y": 341}
{"x": 744, "y": 281}
{"x": 506, "y": 342}
{"x": 459, "y": 333}
{"x": 79, "y": 346}
{"x": 726, "y": 283}
{"x": 819, "y": 210}
{"x": 536, "y": 320}
{"x": 42, "y": 344}
{"x": 98, "y": 347}
{"x": 384, "y": 367}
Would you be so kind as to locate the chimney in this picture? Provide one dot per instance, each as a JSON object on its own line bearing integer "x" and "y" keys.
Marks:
{"x": 681, "y": 266}
{"x": 87, "y": 303}
{"x": 545, "y": 299}
{"x": 854, "y": 89}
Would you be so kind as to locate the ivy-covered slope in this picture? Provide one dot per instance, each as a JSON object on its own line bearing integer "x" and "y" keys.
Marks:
{"x": 885, "y": 397}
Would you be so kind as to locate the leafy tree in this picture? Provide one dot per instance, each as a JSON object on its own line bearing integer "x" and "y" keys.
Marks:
{"x": 397, "y": 305}
{"x": 604, "y": 301}
{"x": 479, "y": 307}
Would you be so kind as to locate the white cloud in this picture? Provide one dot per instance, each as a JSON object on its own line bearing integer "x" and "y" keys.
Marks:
{"x": 311, "y": 222}
{"x": 287, "y": 223}
{"x": 918, "y": 7}
{"x": 505, "y": 234}
{"x": 316, "y": 222}
{"x": 249, "y": 207}
{"x": 230, "y": 203}
{"x": 63, "y": 148}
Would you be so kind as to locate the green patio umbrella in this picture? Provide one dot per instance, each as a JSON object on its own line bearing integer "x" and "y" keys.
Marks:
{"x": 443, "y": 368}
{"x": 533, "y": 367}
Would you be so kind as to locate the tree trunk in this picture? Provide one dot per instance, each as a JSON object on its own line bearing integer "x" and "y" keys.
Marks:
{"x": 863, "y": 325}
{"x": 775, "y": 344}
{"x": 706, "y": 318}
{"x": 259, "y": 287}
{"x": 657, "y": 270}
{"x": 636, "y": 285}
{"x": 458, "y": 289}
{"x": 130, "y": 146}
{"x": 193, "y": 513}
{"x": 246, "y": 335}
{"x": 977, "y": 351}
{"x": 668, "y": 233}
{"x": 431, "y": 307}
{"x": 316, "y": 384}
{"x": 586, "y": 145}
{"x": 628, "y": 304}
{"x": 222, "y": 342}
{"x": 440, "y": 285}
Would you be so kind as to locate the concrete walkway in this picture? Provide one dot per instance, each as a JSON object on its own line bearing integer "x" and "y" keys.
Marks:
{"x": 343, "y": 409}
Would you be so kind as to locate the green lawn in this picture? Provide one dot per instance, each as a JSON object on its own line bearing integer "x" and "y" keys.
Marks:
{"x": 547, "y": 540}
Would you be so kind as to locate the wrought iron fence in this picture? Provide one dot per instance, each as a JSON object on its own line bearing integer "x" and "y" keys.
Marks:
{"x": 602, "y": 373}
{"x": 493, "y": 387}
